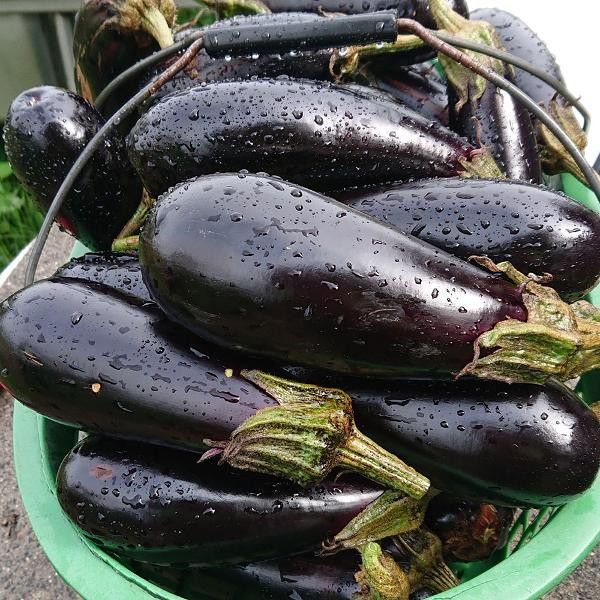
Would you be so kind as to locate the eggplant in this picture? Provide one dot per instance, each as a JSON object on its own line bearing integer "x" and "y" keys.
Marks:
{"x": 72, "y": 351}
{"x": 520, "y": 445}
{"x": 481, "y": 112}
{"x": 303, "y": 64}
{"x": 237, "y": 257}
{"x": 406, "y": 9}
{"x": 469, "y": 531}
{"x": 46, "y": 129}
{"x": 158, "y": 505}
{"x": 417, "y": 86}
{"x": 113, "y": 269}
{"x": 519, "y": 39}
{"x": 112, "y": 35}
{"x": 117, "y": 366}
{"x": 537, "y": 229}
{"x": 341, "y": 136}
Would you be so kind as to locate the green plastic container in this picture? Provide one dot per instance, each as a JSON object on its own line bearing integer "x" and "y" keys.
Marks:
{"x": 543, "y": 547}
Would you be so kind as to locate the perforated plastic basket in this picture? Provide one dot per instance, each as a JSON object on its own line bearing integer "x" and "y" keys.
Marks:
{"x": 543, "y": 547}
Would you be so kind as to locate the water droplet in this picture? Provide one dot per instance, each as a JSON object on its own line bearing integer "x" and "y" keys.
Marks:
{"x": 76, "y": 317}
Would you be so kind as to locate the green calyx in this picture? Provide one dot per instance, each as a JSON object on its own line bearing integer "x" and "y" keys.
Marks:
{"x": 558, "y": 340}
{"x": 154, "y": 17}
{"x": 423, "y": 550}
{"x": 467, "y": 84}
{"x": 126, "y": 244}
{"x": 226, "y": 9}
{"x": 137, "y": 220}
{"x": 391, "y": 514}
{"x": 555, "y": 158}
{"x": 482, "y": 165}
{"x": 309, "y": 433}
{"x": 379, "y": 577}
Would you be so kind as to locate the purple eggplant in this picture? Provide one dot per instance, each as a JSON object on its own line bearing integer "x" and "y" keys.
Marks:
{"x": 158, "y": 505}
{"x": 484, "y": 114}
{"x": 341, "y": 136}
{"x": 113, "y": 269}
{"x": 46, "y": 130}
{"x": 85, "y": 355}
{"x": 536, "y": 229}
{"x": 519, "y": 39}
{"x": 469, "y": 531}
{"x": 237, "y": 257}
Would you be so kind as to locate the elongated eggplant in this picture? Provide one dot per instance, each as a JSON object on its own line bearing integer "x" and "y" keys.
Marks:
{"x": 82, "y": 355}
{"x": 46, "y": 129}
{"x": 406, "y": 9}
{"x": 484, "y": 114}
{"x": 416, "y": 86}
{"x": 303, "y": 64}
{"x": 536, "y": 229}
{"x": 469, "y": 531}
{"x": 112, "y": 35}
{"x": 341, "y": 136}
{"x": 113, "y": 269}
{"x": 115, "y": 365}
{"x": 515, "y": 446}
{"x": 518, "y": 38}
{"x": 236, "y": 258}
{"x": 158, "y": 505}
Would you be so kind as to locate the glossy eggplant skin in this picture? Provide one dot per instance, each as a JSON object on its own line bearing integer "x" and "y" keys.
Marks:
{"x": 159, "y": 505}
{"x": 113, "y": 269}
{"x": 342, "y": 136}
{"x": 502, "y": 124}
{"x": 537, "y": 229}
{"x": 46, "y": 129}
{"x": 301, "y": 64}
{"x": 85, "y": 355}
{"x": 417, "y": 86}
{"x": 519, "y": 39}
{"x": 469, "y": 531}
{"x": 255, "y": 264}
{"x": 406, "y": 9}
{"x": 518, "y": 445}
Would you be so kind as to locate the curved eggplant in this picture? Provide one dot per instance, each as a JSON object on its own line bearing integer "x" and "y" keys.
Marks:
{"x": 237, "y": 257}
{"x": 341, "y": 136}
{"x": 469, "y": 531}
{"x": 113, "y": 269}
{"x": 112, "y": 35}
{"x": 46, "y": 129}
{"x": 159, "y": 505}
{"x": 79, "y": 354}
{"x": 538, "y": 230}
{"x": 516, "y": 446}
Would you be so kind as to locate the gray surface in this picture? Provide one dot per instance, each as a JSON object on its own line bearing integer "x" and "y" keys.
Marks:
{"x": 25, "y": 573}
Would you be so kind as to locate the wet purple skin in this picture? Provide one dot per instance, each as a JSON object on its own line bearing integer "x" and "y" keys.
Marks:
{"x": 256, "y": 264}
{"x": 159, "y": 505}
{"x": 46, "y": 130}
{"x": 519, "y": 39}
{"x": 340, "y": 136}
{"x": 501, "y": 124}
{"x": 536, "y": 229}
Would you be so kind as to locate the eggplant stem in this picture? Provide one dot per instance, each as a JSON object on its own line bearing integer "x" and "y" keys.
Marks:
{"x": 391, "y": 514}
{"x": 379, "y": 577}
{"x": 126, "y": 244}
{"x": 137, "y": 220}
{"x": 155, "y": 24}
{"x": 230, "y": 8}
{"x": 310, "y": 433}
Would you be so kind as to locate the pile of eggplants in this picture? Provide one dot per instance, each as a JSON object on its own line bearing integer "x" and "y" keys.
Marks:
{"x": 320, "y": 342}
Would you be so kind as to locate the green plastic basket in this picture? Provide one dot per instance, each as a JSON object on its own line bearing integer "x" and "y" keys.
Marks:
{"x": 543, "y": 547}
